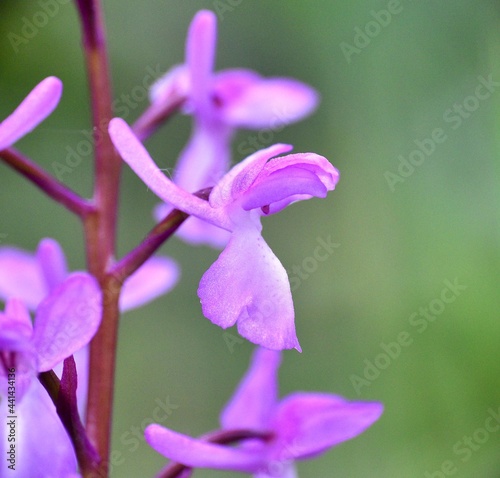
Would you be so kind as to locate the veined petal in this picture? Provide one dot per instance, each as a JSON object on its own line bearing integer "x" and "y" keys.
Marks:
{"x": 134, "y": 153}
{"x": 52, "y": 262}
{"x": 154, "y": 278}
{"x": 21, "y": 277}
{"x": 43, "y": 447}
{"x": 255, "y": 399}
{"x": 248, "y": 284}
{"x": 315, "y": 163}
{"x": 40, "y": 102}
{"x": 197, "y": 453}
{"x": 270, "y": 103}
{"x": 200, "y": 57}
{"x": 307, "y": 424}
{"x": 241, "y": 176}
{"x": 283, "y": 184}
{"x": 67, "y": 319}
{"x": 16, "y": 347}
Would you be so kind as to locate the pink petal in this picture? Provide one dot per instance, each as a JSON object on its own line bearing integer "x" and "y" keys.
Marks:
{"x": 200, "y": 57}
{"x": 52, "y": 262}
{"x": 254, "y": 401}
{"x": 197, "y": 453}
{"x": 42, "y": 443}
{"x": 174, "y": 83}
{"x": 67, "y": 319}
{"x": 241, "y": 176}
{"x": 15, "y": 340}
{"x": 21, "y": 277}
{"x": 283, "y": 184}
{"x": 154, "y": 278}
{"x": 134, "y": 153}
{"x": 307, "y": 424}
{"x": 270, "y": 103}
{"x": 315, "y": 163}
{"x": 40, "y": 102}
{"x": 205, "y": 159}
{"x": 247, "y": 284}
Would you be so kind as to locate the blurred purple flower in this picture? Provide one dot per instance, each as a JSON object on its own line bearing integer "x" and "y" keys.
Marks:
{"x": 39, "y": 104}
{"x": 220, "y": 103}
{"x": 247, "y": 284}
{"x": 300, "y": 426}
{"x": 65, "y": 322}
{"x": 30, "y": 277}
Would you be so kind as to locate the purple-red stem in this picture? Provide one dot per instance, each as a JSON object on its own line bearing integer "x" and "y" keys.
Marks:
{"x": 50, "y": 186}
{"x": 101, "y": 233}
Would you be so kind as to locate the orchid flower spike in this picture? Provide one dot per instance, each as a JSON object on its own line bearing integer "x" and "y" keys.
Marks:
{"x": 300, "y": 426}
{"x": 39, "y": 104}
{"x": 220, "y": 103}
{"x": 65, "y": 322}
{"x": 247, "y": 284}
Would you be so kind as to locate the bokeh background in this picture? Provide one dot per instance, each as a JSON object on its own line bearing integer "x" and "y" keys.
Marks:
{"x": 399, "y": 240}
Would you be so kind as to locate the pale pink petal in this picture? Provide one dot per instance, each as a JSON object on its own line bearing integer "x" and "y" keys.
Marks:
{"x": 154, "y": 278}
{"x": 174, "y": 83}
{"x": 308, "y": 424}
{"x": 40, "y": 102}
{"x": 270, "y": 103}
{"x": 197, "y": 453}
{"x": 283, "y": 184}
{"x": 313, "y": 162}
{"x": 241, "y": 176}
{"x": 254, "y": 401}
{"x": 205, "y": 159}
{"x": 248, "y": 285}
{"x": 67, "y": 319}
{"x": 21, "y": 277}
{"x": 200, "y": 57}
{"x": 278, "y": 469}
{"x": 15, "y": 341}
{"x": 134, "y": 153}
{"x": 43, "y": 448}
{"x": 52, "y": 262}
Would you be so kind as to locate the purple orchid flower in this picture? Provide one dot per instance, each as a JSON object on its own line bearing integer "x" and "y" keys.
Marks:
{"x": 65, "y": 322}
{"x": 30, "y": 277}
{"x": 220, "y": 103}
{"x": 300, "y": 426}
{"x": 247, "y": 284}
{"x": 39, "y": 104}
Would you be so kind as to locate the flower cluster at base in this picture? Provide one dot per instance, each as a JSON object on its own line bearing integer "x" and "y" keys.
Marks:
{"x": 300, "y": 426}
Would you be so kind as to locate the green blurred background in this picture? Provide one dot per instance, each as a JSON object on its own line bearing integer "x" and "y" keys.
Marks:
{"x": 399, "y": 244}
